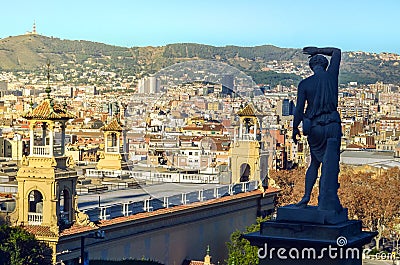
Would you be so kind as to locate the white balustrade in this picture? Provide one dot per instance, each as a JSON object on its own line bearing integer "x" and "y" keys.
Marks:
{"x": 202, "y": 195}
{"x": 35, "y": 218}
{"x": 41, "y": 150}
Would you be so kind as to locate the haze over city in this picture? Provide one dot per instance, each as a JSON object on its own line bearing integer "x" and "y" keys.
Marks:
{"x": 369, "y": 26}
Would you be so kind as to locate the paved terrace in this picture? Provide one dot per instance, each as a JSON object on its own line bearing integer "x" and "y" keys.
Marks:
{"x": 116, "y": 203}
{"x": 384, "y": 159}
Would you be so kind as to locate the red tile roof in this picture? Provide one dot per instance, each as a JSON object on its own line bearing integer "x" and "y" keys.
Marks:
{"x": 39, "y": 230}
{"x": 114, "y": 125}
{"x": 5, "y": 195}
{"x": 44, "y": 111}
{"x": 76, "y": 229}
{"x": 249, "y": 110}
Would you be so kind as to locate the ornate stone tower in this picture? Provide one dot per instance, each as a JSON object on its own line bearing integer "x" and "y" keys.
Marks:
{"x": 111, "y": 158}
{"x": 46, "y": 183}
{"x": 207, "y": 257}
{"x": 248, "y": 161}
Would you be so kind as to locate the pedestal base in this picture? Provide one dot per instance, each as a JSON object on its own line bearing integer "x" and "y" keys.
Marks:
{"x": 285, "y": 243}
{"x": 311, "y": 214}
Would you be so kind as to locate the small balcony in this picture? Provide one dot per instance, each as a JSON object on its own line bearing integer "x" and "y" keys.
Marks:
{"x": 45, "y": 150}
{"x": 41, "y": 150}
{"x": 35, "y": 218}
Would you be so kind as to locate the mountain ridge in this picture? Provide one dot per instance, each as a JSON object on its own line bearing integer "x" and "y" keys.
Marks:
{"x": 31, "y": 52}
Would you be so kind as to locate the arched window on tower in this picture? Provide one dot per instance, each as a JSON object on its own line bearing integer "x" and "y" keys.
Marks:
{"x": 35, "y": 208}
{"x": 114, "y": 140}
{"x": 65, "y": 206}
{"x": 244, "y": 172}
{"x": 112, "y": 143}
{"x": 247, "y": 124}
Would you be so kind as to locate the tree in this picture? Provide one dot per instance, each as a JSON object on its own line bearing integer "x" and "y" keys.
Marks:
{"x": 239, "y": 249}
{"x": 19, "y": 247}
{"x": 291, "y": 183}
{"x": 373, "y": 198}
{"x": 273, "y": 78}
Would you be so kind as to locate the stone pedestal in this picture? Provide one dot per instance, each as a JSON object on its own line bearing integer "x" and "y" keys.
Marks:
{"x": 311, "y": 214}
{"x": 303, "y": 242}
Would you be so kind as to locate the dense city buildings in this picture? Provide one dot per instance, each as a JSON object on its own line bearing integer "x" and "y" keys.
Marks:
{"x": 86, "y": 149}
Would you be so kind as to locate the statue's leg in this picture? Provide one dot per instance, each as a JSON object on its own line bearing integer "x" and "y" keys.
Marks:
{"x": 328, "y": 198}
{"x": 311, "y": 177}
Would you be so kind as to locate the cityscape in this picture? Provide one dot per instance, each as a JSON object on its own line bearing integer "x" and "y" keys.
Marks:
{"x": 179, "y": 154}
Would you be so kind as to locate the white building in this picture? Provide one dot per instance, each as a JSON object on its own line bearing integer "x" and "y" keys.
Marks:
{"x": 149, "y": 85}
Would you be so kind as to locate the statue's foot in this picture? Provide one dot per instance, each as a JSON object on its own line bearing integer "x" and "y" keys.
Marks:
{"x": 303, "y": 202}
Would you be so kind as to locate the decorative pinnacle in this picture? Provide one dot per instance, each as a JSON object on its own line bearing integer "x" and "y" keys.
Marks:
{"x": 48, "y": 88}
{"x": 208, "y": 250}
{"x": 31, "y": 103}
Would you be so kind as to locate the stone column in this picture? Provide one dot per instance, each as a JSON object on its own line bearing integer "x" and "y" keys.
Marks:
{"x": 241, "y": 130}
{"x": 44, "y": 133}
{"x": 255, "y": 129}
{"x": 51, "y": 139}
{"x": 259, "y": 120}
{"x": 124, "y": 142}
{"x": 106, "y": 142}
{"x": 31, "y": 137}
{"x": 117, "y": 135}
{"x": 63, "y": 138}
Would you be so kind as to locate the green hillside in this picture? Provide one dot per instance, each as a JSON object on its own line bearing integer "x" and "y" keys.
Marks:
{"x": 31, "y": 52}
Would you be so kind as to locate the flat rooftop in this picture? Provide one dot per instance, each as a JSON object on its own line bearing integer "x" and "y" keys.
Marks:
{"x": 373, "y": 158}
{"x": 152, "y": 191}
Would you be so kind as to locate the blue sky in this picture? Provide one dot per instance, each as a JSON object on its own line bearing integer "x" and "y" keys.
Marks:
{"x": 352, "y": 25}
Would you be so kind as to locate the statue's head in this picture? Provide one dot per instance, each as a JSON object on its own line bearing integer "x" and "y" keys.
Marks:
{"x": 318, "y": 60}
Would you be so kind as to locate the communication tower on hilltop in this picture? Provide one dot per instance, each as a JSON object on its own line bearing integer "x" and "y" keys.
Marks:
{"x": 34, "y": 28}
{"x": 33, "y": 32}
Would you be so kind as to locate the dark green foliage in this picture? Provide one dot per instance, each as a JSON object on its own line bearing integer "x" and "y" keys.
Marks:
{"x": 273, "y": 78}
{"x": 18, "y": 247}
{"x": 239, "y": 249}
{"x": 193, "y": 50}
{"x": 345, "y": 78}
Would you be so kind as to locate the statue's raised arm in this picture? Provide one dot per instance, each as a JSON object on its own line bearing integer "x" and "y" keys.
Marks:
{"x": 335, "y": 53}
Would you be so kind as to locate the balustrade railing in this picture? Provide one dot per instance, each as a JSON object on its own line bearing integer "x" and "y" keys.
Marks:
{"x": 106, "y": 212}
{"x": 41, "y": 150}
{"x": 35, "y": 218}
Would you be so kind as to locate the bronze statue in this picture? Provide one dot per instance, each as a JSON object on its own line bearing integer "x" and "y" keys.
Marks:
{"x": 322, "y": 125}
